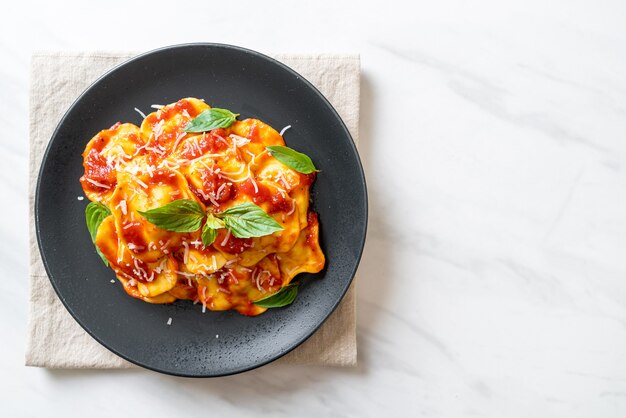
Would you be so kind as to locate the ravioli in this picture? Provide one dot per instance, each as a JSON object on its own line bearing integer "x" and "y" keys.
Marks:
{"x": 132, "y": 169}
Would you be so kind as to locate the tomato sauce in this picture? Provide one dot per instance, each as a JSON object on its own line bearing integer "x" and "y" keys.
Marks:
{"x": 163, "y": 177}
{"x": 138, "y": 270}
{"x": 178, "y": 108}
{"x": 151, "y": 119}
{"x": 165, "y": 141}
{"x": 307, "y": 179}
{"x": 253, "y": 133}
{"x": 262, "y": 194}
{"x": 96, "y": 167}
{"x": 134, "y": 234}
{"x": 260, "y": 278}
{"x": 221, "y": 190}
{"x": 135, "y": 139}
{"x": 213, "y": 142}
{"x": 170, "y": 133}
{"x": 311, "y": 236}
{"x": 232, "y": 245}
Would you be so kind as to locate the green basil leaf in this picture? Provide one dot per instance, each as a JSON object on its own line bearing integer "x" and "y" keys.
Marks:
{"x": 292, "y": 159}
{"x": 249, "y": 220}
{"x": 182, "y": 215}
{"x": 211, "y": 119}
{"x": 214, "y": 222}
{"x": 208, "y": 235}
{"x": 95, "y": 212}
{"x": 209, "y": 232}
{"x": 283, "y": 297}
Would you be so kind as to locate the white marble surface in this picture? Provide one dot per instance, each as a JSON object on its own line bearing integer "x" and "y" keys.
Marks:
{"x": 493, "y": 135}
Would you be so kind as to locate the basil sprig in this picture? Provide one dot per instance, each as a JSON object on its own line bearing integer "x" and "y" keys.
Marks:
{"x": 95, "y": 213}
{"x": 245, "y": 220}
{"x": 209, "y": 232}
{"x": 182, "y": 215}
{"x": 292, "y": 159}
{"x": 283, "y": 297}
{"x": 211, "y": 119}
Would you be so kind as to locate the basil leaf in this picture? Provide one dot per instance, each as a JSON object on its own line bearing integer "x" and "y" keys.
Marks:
{"x": 292, "y": 159}
{"x": 211, "y": 119}
{"x": 214, "y": 222}
{"x": 209, "y": 232}
{"x": 283, "y": 297}
{"x": 182, "y": 215}
{"x": 208, "y": 235}
{"x": 249, "y": 220}
{"x": 95, "y": 212}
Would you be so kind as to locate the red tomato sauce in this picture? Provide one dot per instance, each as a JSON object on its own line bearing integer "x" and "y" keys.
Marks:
{"x": 212, "y": 142}
{"x": 220, "y": 189}
{"x": 262, "y": 194}
{"x": 134, "y": 235}
{"x": 232, "y": 245}
{"x": 96, "y": 167}
{"x": 311, "y": 236}
{"x": 162, "y": 177}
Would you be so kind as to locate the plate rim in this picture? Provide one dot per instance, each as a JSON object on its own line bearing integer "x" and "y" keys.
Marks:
{"x": 121, "y": 65}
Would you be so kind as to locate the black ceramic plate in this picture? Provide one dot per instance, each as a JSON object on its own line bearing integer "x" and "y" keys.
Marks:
{"x": 214, "y": 343}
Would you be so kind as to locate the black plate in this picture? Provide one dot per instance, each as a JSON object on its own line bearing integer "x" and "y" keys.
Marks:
{"x": 255, "y": 86}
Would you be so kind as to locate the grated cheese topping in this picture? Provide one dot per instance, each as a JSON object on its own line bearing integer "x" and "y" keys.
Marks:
{"x": 282, "y": 132}
{"x": 143, "y": 115}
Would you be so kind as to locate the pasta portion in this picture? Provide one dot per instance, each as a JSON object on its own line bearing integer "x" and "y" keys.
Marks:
{"x": 215, "y": 181}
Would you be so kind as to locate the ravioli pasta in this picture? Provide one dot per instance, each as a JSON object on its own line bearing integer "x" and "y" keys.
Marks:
{"x": 130, "y": 169}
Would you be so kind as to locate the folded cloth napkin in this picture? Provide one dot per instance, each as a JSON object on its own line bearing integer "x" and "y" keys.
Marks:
{"x": 55, "y": 340}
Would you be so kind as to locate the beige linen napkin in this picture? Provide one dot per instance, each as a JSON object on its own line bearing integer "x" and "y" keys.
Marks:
{"x": 55, "y": 340}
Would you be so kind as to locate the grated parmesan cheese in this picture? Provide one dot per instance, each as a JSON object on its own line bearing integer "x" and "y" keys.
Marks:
{"x": 256, "y": 188}
{"x": 139, "y": 182}
{"x": 220, "y": 190}
{"x": 186, "y": 254}
{"x": 284, "y": 130}
{"x": 226, "y": 238}
{"x": 143, "y": 115}
{"x": 293, "y": 207}
{"x": 178, "y": 138}
{"x": 122, "y": 206}
{"x": 97, "y": 183}
{"x": 158, "y": 129}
